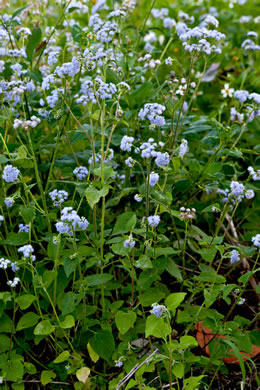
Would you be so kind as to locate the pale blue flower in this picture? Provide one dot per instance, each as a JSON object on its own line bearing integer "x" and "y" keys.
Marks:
{"x": 154, "y": 220}
{"x": 81, "y": 172}
{"x": 153, "y": 179}
{"x": 27, "y": 251}
{"x": 250, "y": 194}
{"x": 129, "y": 243}
{"x": 58, "y": 197}
{"x": 183, "y": 147}
{"x": 237, "y": 188}
{"x": 158, "y": 310}
{"x": 256, "y": 240}
{"x": 126, "y": 143}
{"x": 10, "y": 174}
{"x": 9, "y": 202}
{"x": 23, "y": 228}
{"x": 235, "y": 257}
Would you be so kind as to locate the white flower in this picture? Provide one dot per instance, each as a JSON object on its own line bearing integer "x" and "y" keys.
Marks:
{"x": 226, "y": 91}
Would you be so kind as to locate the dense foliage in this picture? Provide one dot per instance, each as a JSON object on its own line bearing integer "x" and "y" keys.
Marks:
{"x": 129, "y": 136}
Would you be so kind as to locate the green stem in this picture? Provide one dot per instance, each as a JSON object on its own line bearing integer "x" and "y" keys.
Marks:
{"x": 172, "y": 142}
{"x": 243, "y": 289}
{"x": 184, "y": 249}
{"x": 38, "y": 179}
{"x": 53, "y": 158}
{"x": 144, "y": 25}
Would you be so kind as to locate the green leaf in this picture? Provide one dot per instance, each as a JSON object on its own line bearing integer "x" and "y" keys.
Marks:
{"x": 245, "y": 278}
{"x": 35, "y": 75}
{"x": 27, "y": 213}
{"x": 27, "y": 321}
{"x": 103, "y": 344}
{"x": 156, "y": 327}
{"x": 70, "y": 265}
{"x": 111, "y": 76}
{"x": 242, "y": 341}
{"x": 150, "y": 296}
{"x": 95, "y": 280}
{"x": 213, "y": 168}
{"x": 30, "y": 368}
{"x": 16, "y": 239}
{"x": 143, "y": 262}
{"x": 238, "y": 355}
{"x": 176, "y": 162}
{"x": 107, "y": 172}
{"x": 93, "y": 195}
{"x": 140, "y": 94}
{"x": 125, "y": 223}
{"x": 33, "y": 41}
{"x": 254, "y": 337}
{"x": 20, "y": 10}
{"x": 82, "y": 374}
{"x": 187, "y": 342}
{"x": 93, "y": 355}
{"x": 18, "y": 386}
{"x": 211, "y": 295}
{"x": 192, "y": 382}
{"x": 47, "y": 377}
{"x": 95, "y": 116}
{"x": 3, "y": 159}
{"x": 125, "y": 320}
{"x": 68, "y": 322}
{"x": 24, "y": 301}
{"x": 210, "y": 276}
{"x": 44, "y": 328}
{"x": 6, "y": 324}
{"x": 4, "y": 343}
{"x": 165, "y": 251}
{"x": 174, "y": 300}
{"x": 48, "y": 277}
{"x": 76, "y": 33}
{"x": 69, "y": 302}
{"x": 173, "y": 270}
{"x": 208, "y": 254}
{"x": 63, "y": 356}
{"x": 13, "y": 369}
{"x": 178, "y": 370}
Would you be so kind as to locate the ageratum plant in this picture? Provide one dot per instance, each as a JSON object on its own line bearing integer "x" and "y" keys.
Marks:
{"x": 129, "y": 165}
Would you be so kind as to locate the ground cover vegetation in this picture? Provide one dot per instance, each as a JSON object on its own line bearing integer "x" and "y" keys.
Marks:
{"x": 129, "y": 165}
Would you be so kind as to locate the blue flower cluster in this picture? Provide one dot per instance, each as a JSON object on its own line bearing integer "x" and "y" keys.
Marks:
{"x": 10, "y": 174}
{"x": 81, "y": 172}
{"x": 152, "y": 112}
{"x": 58, "y": 197}
{"x": 158, "y": 310}
{"x": 70, "y": 221}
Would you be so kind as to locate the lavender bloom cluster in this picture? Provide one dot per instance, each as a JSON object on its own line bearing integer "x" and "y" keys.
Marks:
{"x": 201, "y": 35}
{"x": 70, "y": 221}
{"x": 235, "y": 257}
{"x": 10, "y": 174}
{"x": 27, "y": 252}
{"x": 256, "y": 240}
{"x": 58, "y": 197}
{"x": 81, "y": 172}
{"x": 158, "y": 310}
{"x": 152, "y": 112}
{"x": 237, "y": 191}
{"x": 255, "y": 175}
{"x": 23, "y": 228}
{"x": 153, "y": 220}
{"x": 92, "y": 91}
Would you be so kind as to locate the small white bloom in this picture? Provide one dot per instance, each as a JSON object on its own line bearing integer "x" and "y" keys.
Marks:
{"x": 226, "y": 91}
